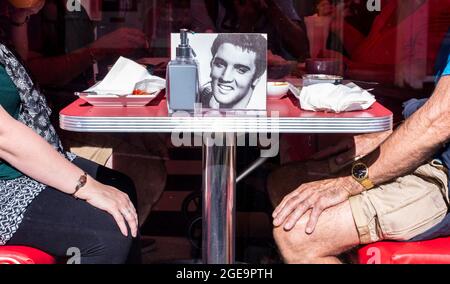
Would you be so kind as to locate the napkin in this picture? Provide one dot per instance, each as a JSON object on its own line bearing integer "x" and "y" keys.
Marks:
{"x": 123, "y": 77}
{"x": 335, "y": 98}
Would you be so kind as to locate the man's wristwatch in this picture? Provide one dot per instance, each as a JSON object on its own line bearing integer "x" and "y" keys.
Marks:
{"x": 360, "y": 172}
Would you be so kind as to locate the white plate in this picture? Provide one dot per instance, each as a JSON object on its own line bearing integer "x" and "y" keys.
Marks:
{"x": 117, "y": 101}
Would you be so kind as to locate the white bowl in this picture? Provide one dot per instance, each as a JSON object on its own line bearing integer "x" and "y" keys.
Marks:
{"x": 277, "y": 89}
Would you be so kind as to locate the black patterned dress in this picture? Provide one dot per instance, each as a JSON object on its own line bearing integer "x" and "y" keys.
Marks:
{"x": 17, "y": 194}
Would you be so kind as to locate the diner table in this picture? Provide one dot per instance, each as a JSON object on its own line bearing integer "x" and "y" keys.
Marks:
{"x": 283, "y": 115}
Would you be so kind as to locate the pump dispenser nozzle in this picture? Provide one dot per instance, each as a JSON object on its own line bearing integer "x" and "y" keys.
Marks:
{"x": 184, "y": 50}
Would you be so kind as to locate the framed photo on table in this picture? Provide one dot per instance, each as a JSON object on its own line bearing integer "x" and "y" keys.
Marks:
{"x": 233, "y": 69}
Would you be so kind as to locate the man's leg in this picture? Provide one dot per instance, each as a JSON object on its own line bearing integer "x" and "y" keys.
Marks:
{"x": 399, "y": 211}
{"x": 335, "y": 233}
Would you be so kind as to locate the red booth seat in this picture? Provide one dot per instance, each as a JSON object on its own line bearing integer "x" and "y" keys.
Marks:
{"x": 24, "y": 255}
{"x": 425, "y": 252}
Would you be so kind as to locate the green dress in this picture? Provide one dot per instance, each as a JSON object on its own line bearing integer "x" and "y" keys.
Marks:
{"x": 10, "y": 101}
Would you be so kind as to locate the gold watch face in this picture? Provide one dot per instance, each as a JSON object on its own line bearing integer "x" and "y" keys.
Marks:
{"x": 360, "y": 172}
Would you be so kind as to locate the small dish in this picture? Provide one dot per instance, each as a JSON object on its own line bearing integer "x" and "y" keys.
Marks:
{"x": 312, "y": 79}
{"x": 117, "y": 100}
{"x": 277, "y": 89}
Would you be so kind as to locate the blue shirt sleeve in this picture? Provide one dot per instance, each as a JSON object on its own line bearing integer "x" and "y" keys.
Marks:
{"x": 443, "y": 60}
{"x": 446, "y": 71}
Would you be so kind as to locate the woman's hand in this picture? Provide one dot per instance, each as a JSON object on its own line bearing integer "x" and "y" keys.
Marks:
{"x": 113, "y": 201}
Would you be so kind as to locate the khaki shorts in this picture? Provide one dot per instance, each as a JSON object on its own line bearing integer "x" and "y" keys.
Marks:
{"x": 404, "y": 208}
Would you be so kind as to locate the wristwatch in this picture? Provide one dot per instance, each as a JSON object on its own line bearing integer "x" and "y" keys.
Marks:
{"x": 81, "y": 182}
{"x": 360, "y": 172}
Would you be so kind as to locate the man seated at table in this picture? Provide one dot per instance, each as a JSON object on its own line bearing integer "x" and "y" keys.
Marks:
{"x": 397, "y": 191}
{"x": 237, "y": 64}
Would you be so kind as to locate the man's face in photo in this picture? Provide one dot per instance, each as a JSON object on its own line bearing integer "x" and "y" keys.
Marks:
{"x": 232, "y": 73}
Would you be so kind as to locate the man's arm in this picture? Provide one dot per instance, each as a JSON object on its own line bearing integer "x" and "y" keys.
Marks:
{"x": 416, "y": 140}
{"x": 406, "y": 149}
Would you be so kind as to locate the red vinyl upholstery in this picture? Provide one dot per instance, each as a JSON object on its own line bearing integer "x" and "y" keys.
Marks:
{"x": 24, "y": 255}
{"x": 425, "y": 252}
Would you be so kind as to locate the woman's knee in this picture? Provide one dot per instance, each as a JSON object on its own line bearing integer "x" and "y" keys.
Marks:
{"x": 103, "y": 241}
{"x": 107, "y": 246}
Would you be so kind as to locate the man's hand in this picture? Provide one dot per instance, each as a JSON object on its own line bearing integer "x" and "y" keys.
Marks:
{"x": 353, "y": 148}
{"x": 315, "y": 196}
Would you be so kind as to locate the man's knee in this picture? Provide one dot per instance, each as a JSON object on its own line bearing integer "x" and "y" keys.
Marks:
{"x": 295, "y": 246}
{"x": 334, "y": 233}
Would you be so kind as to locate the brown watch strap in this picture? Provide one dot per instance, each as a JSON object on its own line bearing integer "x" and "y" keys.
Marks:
{"x": 81, "y": 182}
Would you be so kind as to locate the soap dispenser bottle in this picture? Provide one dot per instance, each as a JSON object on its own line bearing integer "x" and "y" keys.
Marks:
{"x": 182, "y": 77}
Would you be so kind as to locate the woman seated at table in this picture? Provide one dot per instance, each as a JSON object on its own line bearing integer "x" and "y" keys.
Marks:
{"x": 51, "y": 200}
{"x": 64, "y": 42}
{"x": 402, "y": 45}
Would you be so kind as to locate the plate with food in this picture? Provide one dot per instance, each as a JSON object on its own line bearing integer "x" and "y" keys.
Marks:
{"x": 138, "y": 98}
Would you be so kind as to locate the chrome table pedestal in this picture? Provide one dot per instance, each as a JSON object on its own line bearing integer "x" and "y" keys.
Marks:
{"x": 219, "y": 212}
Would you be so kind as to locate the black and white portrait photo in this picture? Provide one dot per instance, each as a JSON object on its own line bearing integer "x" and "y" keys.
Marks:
{"x": 233, "y": 69}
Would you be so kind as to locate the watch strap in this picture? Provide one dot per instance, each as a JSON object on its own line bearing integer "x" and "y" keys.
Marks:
{"x": 81, "y": 182}
{"x": 367, "y": 183}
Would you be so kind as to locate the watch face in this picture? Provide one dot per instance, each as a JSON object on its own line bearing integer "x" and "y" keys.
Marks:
{"x": 360, "y": 171}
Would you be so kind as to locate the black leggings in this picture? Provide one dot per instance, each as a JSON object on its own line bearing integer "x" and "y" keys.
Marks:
{"x": 60, "y": 225}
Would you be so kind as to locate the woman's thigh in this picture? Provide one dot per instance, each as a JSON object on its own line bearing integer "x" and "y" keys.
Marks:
{"x": 57, "y": 223}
